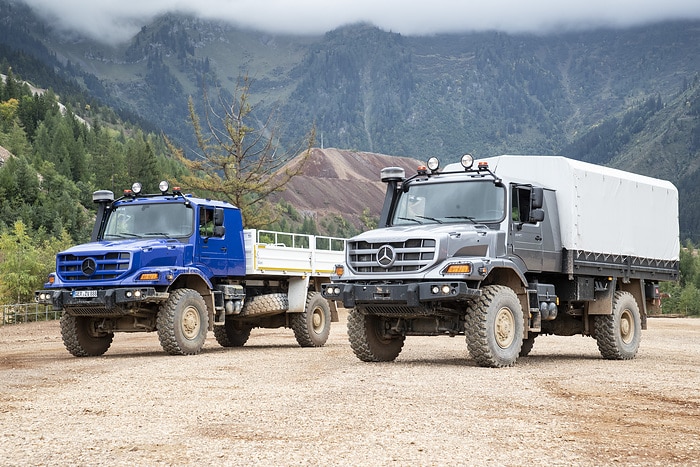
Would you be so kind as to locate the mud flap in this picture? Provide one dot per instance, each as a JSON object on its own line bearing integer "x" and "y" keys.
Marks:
{"x": 298, "y": 287}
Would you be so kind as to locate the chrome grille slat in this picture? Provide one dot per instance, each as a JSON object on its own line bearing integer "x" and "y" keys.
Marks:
{"x": 411, "y": 255}
{"x": 110, "y": 266}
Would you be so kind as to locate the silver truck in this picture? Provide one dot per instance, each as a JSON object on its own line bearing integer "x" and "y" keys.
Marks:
{"x": 508, "y": 248}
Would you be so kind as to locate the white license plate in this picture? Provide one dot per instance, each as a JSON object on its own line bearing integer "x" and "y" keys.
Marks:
{"x": 85, "y": 293}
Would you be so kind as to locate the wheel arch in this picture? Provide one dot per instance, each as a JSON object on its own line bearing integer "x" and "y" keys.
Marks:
{"x": 512, "y": 278}
{"x": 202, "y": 286}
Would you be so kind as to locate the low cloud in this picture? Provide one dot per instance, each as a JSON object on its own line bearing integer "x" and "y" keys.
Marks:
{"x": 118, "y": 20}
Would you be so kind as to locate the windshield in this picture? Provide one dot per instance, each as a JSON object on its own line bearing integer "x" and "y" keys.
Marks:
{"x": 471, "y": 201}
{"x": 168, "y": 220}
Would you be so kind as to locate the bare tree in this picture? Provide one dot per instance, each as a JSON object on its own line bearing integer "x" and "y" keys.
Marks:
{"x": 238, "y": 158}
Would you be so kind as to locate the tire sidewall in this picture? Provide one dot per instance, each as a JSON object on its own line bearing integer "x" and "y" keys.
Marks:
{"x": 626, "y": 308}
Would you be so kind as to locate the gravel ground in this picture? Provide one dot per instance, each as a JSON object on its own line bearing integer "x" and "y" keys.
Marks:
{"x": 274, "y": 403}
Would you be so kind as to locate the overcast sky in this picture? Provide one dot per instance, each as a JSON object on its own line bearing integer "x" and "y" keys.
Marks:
{"x": 119, "y": 20}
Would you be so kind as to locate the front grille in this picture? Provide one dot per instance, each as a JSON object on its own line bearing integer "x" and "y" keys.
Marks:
{"x": 109, "y": 266}
{"x": 95, "y": 311}
{"x": 411, "y": 255}
{"x": 395, "y": 310}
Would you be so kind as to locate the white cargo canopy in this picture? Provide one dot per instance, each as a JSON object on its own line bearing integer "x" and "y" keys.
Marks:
{"x": 602, "y": 210}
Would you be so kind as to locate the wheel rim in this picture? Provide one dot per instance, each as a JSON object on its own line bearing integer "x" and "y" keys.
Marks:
{"x": 318, "y": 320}
{"x": 626, "y": 327}
{"x": 190, "y": 323}
{"x": 505, "y": 328}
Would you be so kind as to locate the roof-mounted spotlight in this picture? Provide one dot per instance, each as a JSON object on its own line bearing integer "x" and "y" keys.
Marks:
{"x": 433, "y": 164}
{"x": 136, "y": 188}
{"x": 467, "y": 161}
{"x": 163, "y": 187}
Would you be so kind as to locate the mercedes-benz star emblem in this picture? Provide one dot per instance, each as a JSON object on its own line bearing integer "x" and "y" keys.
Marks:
{"x": 89, "y": 267}
{"x": 386, "y": 256}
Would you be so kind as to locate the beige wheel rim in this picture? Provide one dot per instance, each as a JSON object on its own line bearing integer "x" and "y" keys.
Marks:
{"x": 504, "y": 328}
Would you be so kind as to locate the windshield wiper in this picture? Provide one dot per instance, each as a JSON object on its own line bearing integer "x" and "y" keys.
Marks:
{"x": 410, "y": 219}
{"x": 163, "y": 234}
{"x": 463, "y": 217}
{"x": 431, "y": 219}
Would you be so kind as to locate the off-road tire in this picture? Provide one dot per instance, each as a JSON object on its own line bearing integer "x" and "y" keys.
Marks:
{"x": 81, "y": 338}
{"x": 618, "y": 334}
{"x": 528, "y": 343}
{"x": 368, "y": 341}
{"x": 269, "y": 304}
{"x": 182, "y": 323}
{"x": 313, "y": 326}
{"x": 494, "y": 327}
{"x": 232, "y": 334}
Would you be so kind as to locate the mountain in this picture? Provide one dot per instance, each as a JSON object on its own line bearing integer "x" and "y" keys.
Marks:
{"x": 621, "y": 97}
{"x": 340, "y": 182}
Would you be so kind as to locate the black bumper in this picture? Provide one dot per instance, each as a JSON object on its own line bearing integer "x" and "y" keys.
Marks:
{"x": 412, "y": 295}
{"x": 105, "y": 301}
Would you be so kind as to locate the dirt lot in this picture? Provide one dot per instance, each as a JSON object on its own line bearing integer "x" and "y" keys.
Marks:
{"x": 273, "y": 403}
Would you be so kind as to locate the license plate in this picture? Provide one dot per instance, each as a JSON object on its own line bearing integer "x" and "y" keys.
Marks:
{"x": 85, "y": 293}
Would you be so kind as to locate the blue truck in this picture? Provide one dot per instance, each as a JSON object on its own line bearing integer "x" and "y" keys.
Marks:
{"x": 181, "y": 266}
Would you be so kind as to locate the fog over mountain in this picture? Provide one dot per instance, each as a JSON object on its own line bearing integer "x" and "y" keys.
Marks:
{"x": 114, "y": 21}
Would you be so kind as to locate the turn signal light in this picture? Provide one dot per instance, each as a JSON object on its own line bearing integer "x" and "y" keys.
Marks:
{"x": 149, "y": 276}
{"x": 458, "y": 269}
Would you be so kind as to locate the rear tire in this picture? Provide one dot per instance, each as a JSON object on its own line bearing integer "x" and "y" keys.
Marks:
{"x": 368, "y": 340}
{"x": 81, "y": 337}
{"x": 183, "y": 322}
{"x": 313, "y": 326}
{"x": 527, "y": 345}
{"x": 618, "y": 335}
{"x": 232, "y": 334}
{"x": 494, "y": 327}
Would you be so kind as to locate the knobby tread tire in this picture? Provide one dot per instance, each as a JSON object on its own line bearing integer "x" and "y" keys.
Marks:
{"x": 608, "y": 328}
{"x": 269, "y": 304}
{"x": 366, "y": 339}
{"x": 170, "y": 326}
{"x": 75, "y": 332}
{"x": 480, "y": 327}
{"x": 232, "y": 334}
{"x": 527, "y": 345}
{"x": 306, "y": 333}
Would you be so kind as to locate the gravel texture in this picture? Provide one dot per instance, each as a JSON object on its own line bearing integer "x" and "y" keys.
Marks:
{"x": 274, "y": 403}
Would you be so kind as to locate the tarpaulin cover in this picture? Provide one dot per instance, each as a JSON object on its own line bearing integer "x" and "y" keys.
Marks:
{"x": 602, "y": 210}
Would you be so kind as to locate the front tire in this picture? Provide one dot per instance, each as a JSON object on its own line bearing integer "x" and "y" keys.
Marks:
{"x": 81, "y": 337}
{"x": 313, "y": 326}
{"x": 618, "y": 335}
{"x": 368, "y": 340}
{"x": 183, "y": 322}
{"x": 494, "y": 327}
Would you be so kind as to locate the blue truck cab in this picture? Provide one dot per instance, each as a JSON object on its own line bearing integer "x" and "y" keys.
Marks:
{"x": 175, "y": 264}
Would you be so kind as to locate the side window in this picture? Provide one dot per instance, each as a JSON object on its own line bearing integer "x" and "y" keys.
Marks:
{"x": 521, "y": 203}
{"x": 206, "y": 221}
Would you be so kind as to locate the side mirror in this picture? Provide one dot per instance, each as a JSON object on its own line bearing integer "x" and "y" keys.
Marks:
{"x": 537, "y": 197}
{"x": 536, "y": 215}
{"x": 218, "y": 217}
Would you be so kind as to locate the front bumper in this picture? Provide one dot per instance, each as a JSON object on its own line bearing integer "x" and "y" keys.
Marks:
{"x": 98, "y": 301}
{"x": 412, "y": 295}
